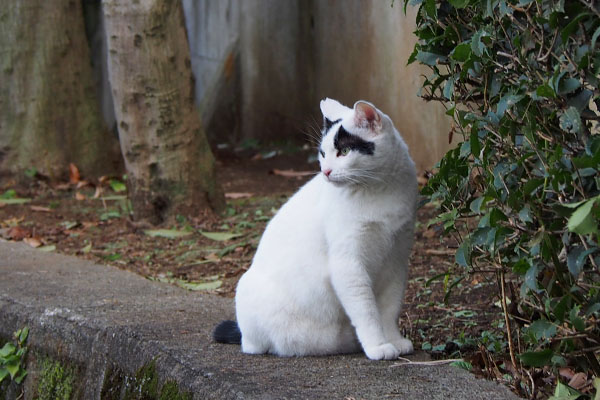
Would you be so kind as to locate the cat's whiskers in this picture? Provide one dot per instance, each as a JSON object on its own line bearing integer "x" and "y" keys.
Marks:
{"x": 367, "y": 174}
{"x": 313, "y": 133}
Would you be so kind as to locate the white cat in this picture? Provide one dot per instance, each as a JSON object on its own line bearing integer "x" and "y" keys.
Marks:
{"x": 330, "y": 271}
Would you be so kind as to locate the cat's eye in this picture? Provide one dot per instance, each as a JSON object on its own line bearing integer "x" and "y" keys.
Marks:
{"x": 344, "y": 151}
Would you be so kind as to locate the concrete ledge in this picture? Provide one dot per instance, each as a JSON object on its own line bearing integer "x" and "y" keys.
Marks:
{"x": 100, "y": 320}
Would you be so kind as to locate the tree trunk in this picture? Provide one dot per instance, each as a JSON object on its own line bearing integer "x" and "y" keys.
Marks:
{"x": 49, "y": 114}
{"x": 169, "y": 163}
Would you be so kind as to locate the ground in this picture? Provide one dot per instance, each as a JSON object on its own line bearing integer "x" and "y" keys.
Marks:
{"x": 91, "y": 220}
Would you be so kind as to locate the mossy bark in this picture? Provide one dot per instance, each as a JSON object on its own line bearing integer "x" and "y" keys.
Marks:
{"x": 50, "y": 114}
{"x": 169, "y": 163}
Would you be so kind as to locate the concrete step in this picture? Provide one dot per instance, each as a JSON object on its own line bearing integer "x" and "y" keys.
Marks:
{"x": 111, "y": 334}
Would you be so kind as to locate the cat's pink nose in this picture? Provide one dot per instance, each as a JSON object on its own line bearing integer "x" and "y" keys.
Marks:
{"x": 327, "y": 172}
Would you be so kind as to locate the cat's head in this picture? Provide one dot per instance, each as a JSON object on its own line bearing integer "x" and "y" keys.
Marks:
{"x": 357, "y": 144}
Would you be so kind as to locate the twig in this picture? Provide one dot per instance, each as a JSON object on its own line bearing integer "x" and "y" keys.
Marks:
{"x": 436, "y": 252}
{"x": 532, "y": 385}
{"x": 428, "y": 363}
{"x": 507, "y": 322}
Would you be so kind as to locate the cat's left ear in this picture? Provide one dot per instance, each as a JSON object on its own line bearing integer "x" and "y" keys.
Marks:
{"x": 366, "y": 116}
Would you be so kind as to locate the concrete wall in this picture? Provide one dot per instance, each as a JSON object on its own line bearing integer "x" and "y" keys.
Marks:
{"x": 293, "y": 53}
{"x": 262, "y": 66}
{"x": 361, "y": 50}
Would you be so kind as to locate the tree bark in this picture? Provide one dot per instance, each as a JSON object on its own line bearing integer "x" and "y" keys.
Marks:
{"x": 169, "y": 163}
{"x": 50, "y": 115}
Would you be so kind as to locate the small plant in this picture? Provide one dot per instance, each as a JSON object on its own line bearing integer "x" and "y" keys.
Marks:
{"x": 12, "y": 357}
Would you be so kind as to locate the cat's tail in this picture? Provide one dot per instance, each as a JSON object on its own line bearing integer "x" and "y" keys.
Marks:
{"x": 228, "y": 332}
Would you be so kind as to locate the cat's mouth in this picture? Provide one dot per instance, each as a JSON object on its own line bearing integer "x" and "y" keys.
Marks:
{"x": 335, "y": 179}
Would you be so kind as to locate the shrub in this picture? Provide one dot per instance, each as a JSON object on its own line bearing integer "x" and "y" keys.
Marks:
{"x": 522, "y": 189}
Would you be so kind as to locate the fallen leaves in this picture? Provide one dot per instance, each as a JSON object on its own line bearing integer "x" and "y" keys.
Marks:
{"x": 74, "y": 175}
{"x": 17, "y": 233}
{"x": 167, "y": 233}
{"x": 290, "y": 173}
{"x": 33, "y": 242}
{"x": 41, "y": 209}
{"x": 238, "y": 195}
{"x": 220, "y": 236}
{"x": 10, "y": 197}
{"x": 209, "y": 283}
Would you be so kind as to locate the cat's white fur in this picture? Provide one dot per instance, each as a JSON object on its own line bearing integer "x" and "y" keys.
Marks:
{"x": 330, "y": 271}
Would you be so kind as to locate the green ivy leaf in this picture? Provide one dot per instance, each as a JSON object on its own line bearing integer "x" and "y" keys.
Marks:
{"x": 570, "y": 121}
{"x": 576, "y": 320}
{"x": 594, "y": 39}
{"x": 537, "y": 358}
{"x": 461, "y": 53}
{"x": 542, "y": 329}
{"x": 13, "y": 368}
{"x": 459, "y": 3}
{"x": 521, "y": 267}
{"x": 576, "y": 259}
{"x": 462, "y": 364}
{"x": 430, "y": 8}
{"x": 7, "y": 349}
{"x": 563, "y": 392}
{"x": 582, "y": 220}
{"x": 525, "y": 214}
{"x": 477, "y": 45}
{"x": 572, "y": 26}
{"x": 428, "y": 58}
{"x": 463, "y": 254}
{"x": 568, "y": 85}
{"x": 117, "y": 186}
{"x": 545, "y": 91}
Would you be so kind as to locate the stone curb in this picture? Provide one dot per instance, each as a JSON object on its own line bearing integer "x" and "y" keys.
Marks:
{"x": 110, "y": 325}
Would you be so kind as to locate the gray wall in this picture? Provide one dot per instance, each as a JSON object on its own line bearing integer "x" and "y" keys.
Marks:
{"x": 262, "y": 66}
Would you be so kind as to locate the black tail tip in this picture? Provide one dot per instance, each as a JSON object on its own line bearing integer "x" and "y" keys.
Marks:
{"x": 227, "y": 332}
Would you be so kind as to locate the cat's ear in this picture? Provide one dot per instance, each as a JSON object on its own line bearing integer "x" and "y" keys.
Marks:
{"x": 333, "y": 109}
{"x": 366, "y": 116}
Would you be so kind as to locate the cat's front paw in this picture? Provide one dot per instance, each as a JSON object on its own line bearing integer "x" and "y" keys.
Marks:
{"x": 403, "y": 345}
{"x": 386, "y": 351}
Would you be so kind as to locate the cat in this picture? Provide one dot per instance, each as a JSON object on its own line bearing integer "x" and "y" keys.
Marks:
{"x": 330, "y": 271}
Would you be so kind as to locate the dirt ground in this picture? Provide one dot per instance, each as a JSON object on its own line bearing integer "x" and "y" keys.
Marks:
{"x": 91, "y": 220}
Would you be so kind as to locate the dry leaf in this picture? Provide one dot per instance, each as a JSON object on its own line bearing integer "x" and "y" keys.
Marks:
{"x": 40, "y": 208}
{"x": 14, "y": 221}
{"x": 236, "y": 195}
{"x": 79, "y": 196}
{"x": 17, "y": 233}
{"x": 290, "y": 173}
{"x": 33, "y": 242}
{"x": 98, "y": 192}
{"x": 74, "y": 176}
{"x": 430, "y": 233}
{"x": 578, "y": 381}
{"x": 81, "y": 184}
{"x": 62, "y": 186}
{"x": 566, "y": 373}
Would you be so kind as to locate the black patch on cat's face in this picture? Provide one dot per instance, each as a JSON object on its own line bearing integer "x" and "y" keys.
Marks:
{"x": 344, "y": 139}
{"x": 327, "y": 124}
